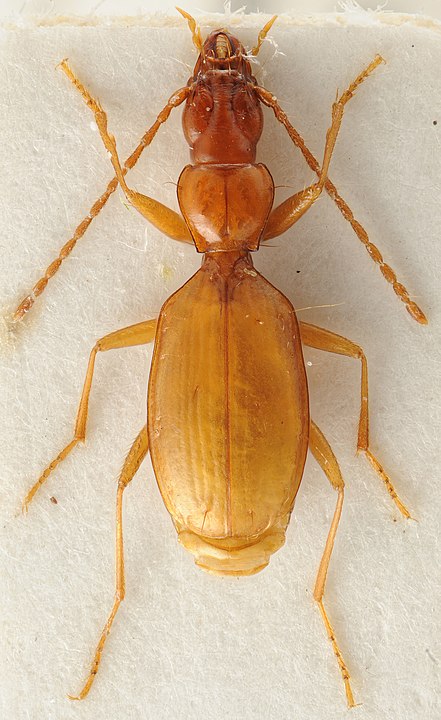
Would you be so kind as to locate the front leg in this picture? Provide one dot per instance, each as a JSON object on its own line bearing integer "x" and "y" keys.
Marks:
{"x": 285, "y": 215}
{"x": 162, "y": 217}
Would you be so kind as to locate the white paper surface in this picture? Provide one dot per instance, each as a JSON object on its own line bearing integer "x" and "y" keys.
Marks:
{"x": 49, "y": 9}
{"x": 185, "y": 644}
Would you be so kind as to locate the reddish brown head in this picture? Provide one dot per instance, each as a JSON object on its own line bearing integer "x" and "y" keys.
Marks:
{"x": 222, "y": 119}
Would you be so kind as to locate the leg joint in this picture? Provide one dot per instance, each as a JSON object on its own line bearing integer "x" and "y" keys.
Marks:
{"x": 98, "y": 347}
{"x": 359, "y": 354}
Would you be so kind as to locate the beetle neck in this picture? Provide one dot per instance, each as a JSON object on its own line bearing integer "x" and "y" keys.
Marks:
{"x": 228, "y": 262}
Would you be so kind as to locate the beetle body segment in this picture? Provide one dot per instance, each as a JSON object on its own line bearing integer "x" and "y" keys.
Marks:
{"x": 228, "y": 414}
{"x": 226, "y": 206}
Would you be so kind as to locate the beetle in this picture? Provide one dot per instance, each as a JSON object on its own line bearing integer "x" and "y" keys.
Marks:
{"x": 228, "y": 416}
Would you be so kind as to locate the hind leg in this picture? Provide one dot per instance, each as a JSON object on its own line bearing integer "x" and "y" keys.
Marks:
{"x": 322, "y": 452}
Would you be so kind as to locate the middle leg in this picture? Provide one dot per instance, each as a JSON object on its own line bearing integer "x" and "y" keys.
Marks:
{"x": 322, "y": 339}
{"x": 139, "y": 334}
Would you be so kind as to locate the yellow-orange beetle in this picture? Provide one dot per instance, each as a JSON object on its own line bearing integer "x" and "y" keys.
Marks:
{"x": 228, "y": 424}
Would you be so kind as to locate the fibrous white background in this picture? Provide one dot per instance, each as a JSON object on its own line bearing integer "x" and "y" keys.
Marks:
{"x": 186, "y": 644}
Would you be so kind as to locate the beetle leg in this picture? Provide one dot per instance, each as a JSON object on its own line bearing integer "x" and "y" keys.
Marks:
{"x": 165, "y": 219}
{"x": 287, "y": 213}
{"x": 322, "y": 452}
{"x": 322, "y": 339}
{"x": 134, "y": 459}
{"x": 139, "y": 334}
{"x": 284, "y": 216}
{"x": 175, "y": 100}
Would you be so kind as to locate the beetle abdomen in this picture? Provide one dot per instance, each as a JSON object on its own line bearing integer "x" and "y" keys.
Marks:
{"x": 228, "y": 412}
